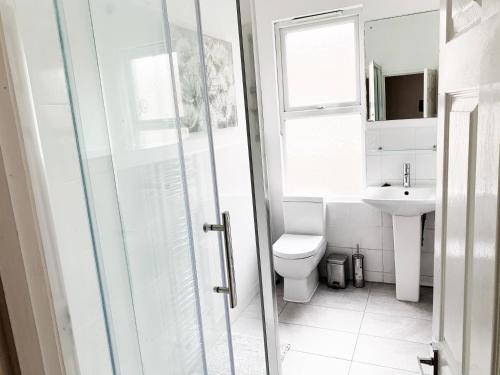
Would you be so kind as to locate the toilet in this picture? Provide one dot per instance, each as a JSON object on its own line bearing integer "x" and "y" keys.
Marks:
{"x": 298, "y": 252}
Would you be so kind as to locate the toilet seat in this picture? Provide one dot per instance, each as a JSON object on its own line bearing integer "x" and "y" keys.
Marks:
{"x": 297, "y": 246}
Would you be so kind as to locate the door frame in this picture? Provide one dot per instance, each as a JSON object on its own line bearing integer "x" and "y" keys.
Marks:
{"x": 23, "y": 229}
{"x": 259, "y": 181}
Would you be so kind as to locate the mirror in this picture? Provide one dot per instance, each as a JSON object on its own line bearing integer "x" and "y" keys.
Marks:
{"x": 402, "y": 59}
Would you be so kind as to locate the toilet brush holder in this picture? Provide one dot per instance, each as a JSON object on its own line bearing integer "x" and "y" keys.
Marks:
{"x": 358, "y": 277}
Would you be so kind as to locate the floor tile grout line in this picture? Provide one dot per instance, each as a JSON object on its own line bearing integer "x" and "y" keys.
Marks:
{"x": 395, "y": 339}
{"x": 397, "y": 316}
{"x": 371, "y": 293}
{"x": 387, "y": 367}
{"x": 370, "y": 312}
{"x": 327, "y": 307}
{"x": 359, "y": 330}
{"x": 357, "y": 333}
{"x": 351, "y": 361}
{"x": 376, "y": 312}
{"x": 316, "y": 327}
{"x": 334, "y": 308}
{"x": 320, "y": 355}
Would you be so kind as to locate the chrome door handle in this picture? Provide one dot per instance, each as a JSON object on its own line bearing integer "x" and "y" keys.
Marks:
{"x": 225, "y": 227}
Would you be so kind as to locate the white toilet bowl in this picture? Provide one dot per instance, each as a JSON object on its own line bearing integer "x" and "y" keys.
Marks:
{"x": 296, "y": 258}
{"x": 298, "y": 252}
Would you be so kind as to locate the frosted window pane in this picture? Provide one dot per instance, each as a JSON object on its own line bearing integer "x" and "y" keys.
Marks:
{"x": 323, "y": 155}
{"x": 321, "y": 64}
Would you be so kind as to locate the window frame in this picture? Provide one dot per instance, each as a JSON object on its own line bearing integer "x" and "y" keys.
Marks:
{"x": 358, "y": 107}
{"x": 280, "y": 30}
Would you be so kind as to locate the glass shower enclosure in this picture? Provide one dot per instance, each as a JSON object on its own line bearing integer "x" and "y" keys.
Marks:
{"x": 159, "y": 112}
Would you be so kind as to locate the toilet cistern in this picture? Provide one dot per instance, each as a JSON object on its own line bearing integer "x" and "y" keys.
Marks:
{"x": 406, "y": 175}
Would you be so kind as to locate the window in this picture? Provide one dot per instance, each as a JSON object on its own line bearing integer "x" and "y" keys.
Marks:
{"x": 320, "y": 64}
{"x": 320, "y": 105}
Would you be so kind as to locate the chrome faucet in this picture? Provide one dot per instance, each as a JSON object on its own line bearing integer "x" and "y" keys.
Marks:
{"x": 406, "y": 175}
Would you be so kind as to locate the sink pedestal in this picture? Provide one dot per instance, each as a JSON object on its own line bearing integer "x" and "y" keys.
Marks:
{"x": 407, "y": 237}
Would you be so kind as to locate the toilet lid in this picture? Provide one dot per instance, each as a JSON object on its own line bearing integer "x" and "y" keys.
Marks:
{"x": 297, "y": 246}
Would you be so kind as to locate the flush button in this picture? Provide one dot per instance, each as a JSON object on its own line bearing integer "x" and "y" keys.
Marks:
{"x": 407, "y": 192}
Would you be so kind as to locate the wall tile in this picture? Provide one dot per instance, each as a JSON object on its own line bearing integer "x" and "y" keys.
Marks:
{"x": 428, "y": 241}
{"x": 372, "y": 139}
{"x": 368, "y": 238}
{"x": 373, "y": 170}
{"x": 397, "y": 182}
{"x": 426, "y": 281}
{"x": 386, "y": 220}
{"x": 376, "y": 277}
{"x": 373, "y": 260}
{"x": 385, "y": 166}
{"x": 339, "y": 236}
{"x": 388, "y": 262}
{"x": 427, "y": 264}
{"x": 425, "y": 165}
{"x": 397, "y": 138}
{"x": 425, "y": 183}
{"x": 337, "y": 213}
{"x": 356, "y": 222}
{"x": 387, "y": 238}
{"x": 389, "y": 278}
{"x": 363, "y": 215}
{"x": 430, "y": 219}
{"x": 392, "y": 165}
{"x": 425, "y": 137}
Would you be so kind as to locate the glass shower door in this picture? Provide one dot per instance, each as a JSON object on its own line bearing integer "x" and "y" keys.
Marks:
{"x": 137, "y": 81}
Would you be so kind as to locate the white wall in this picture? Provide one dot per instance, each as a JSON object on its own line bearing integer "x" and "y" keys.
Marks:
{"x": 269, "y": 11}
{"x": 350, "y": 223}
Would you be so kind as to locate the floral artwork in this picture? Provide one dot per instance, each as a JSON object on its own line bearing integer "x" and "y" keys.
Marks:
{"x": 220, "y": 80}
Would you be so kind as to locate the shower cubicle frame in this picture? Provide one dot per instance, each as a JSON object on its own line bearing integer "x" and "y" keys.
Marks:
{"x": 42, "y": 347}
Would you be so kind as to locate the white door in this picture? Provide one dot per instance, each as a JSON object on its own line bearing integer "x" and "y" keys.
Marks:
{"x": 465, "y": 312}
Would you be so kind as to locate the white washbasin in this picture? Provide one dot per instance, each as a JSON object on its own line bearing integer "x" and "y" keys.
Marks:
{"x": 406, "y": 206}
{"x": 401, "y": 201}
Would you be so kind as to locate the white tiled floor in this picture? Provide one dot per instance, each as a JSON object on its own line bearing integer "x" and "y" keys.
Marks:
{"x": 351, "y": 332}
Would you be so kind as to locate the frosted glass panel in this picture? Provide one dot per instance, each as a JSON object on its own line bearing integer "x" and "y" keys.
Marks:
{"x": 158, "y": 268}
{"x": 146, "y": 115}
{"x": 323, "y": 155}
{"x": 194, "y": 121}
{"x": 321, "y": 63}
{"x": 227, "y": 111}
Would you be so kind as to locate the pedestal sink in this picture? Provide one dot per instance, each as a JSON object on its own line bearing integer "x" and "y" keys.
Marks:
{"x": 406, "y": 205}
